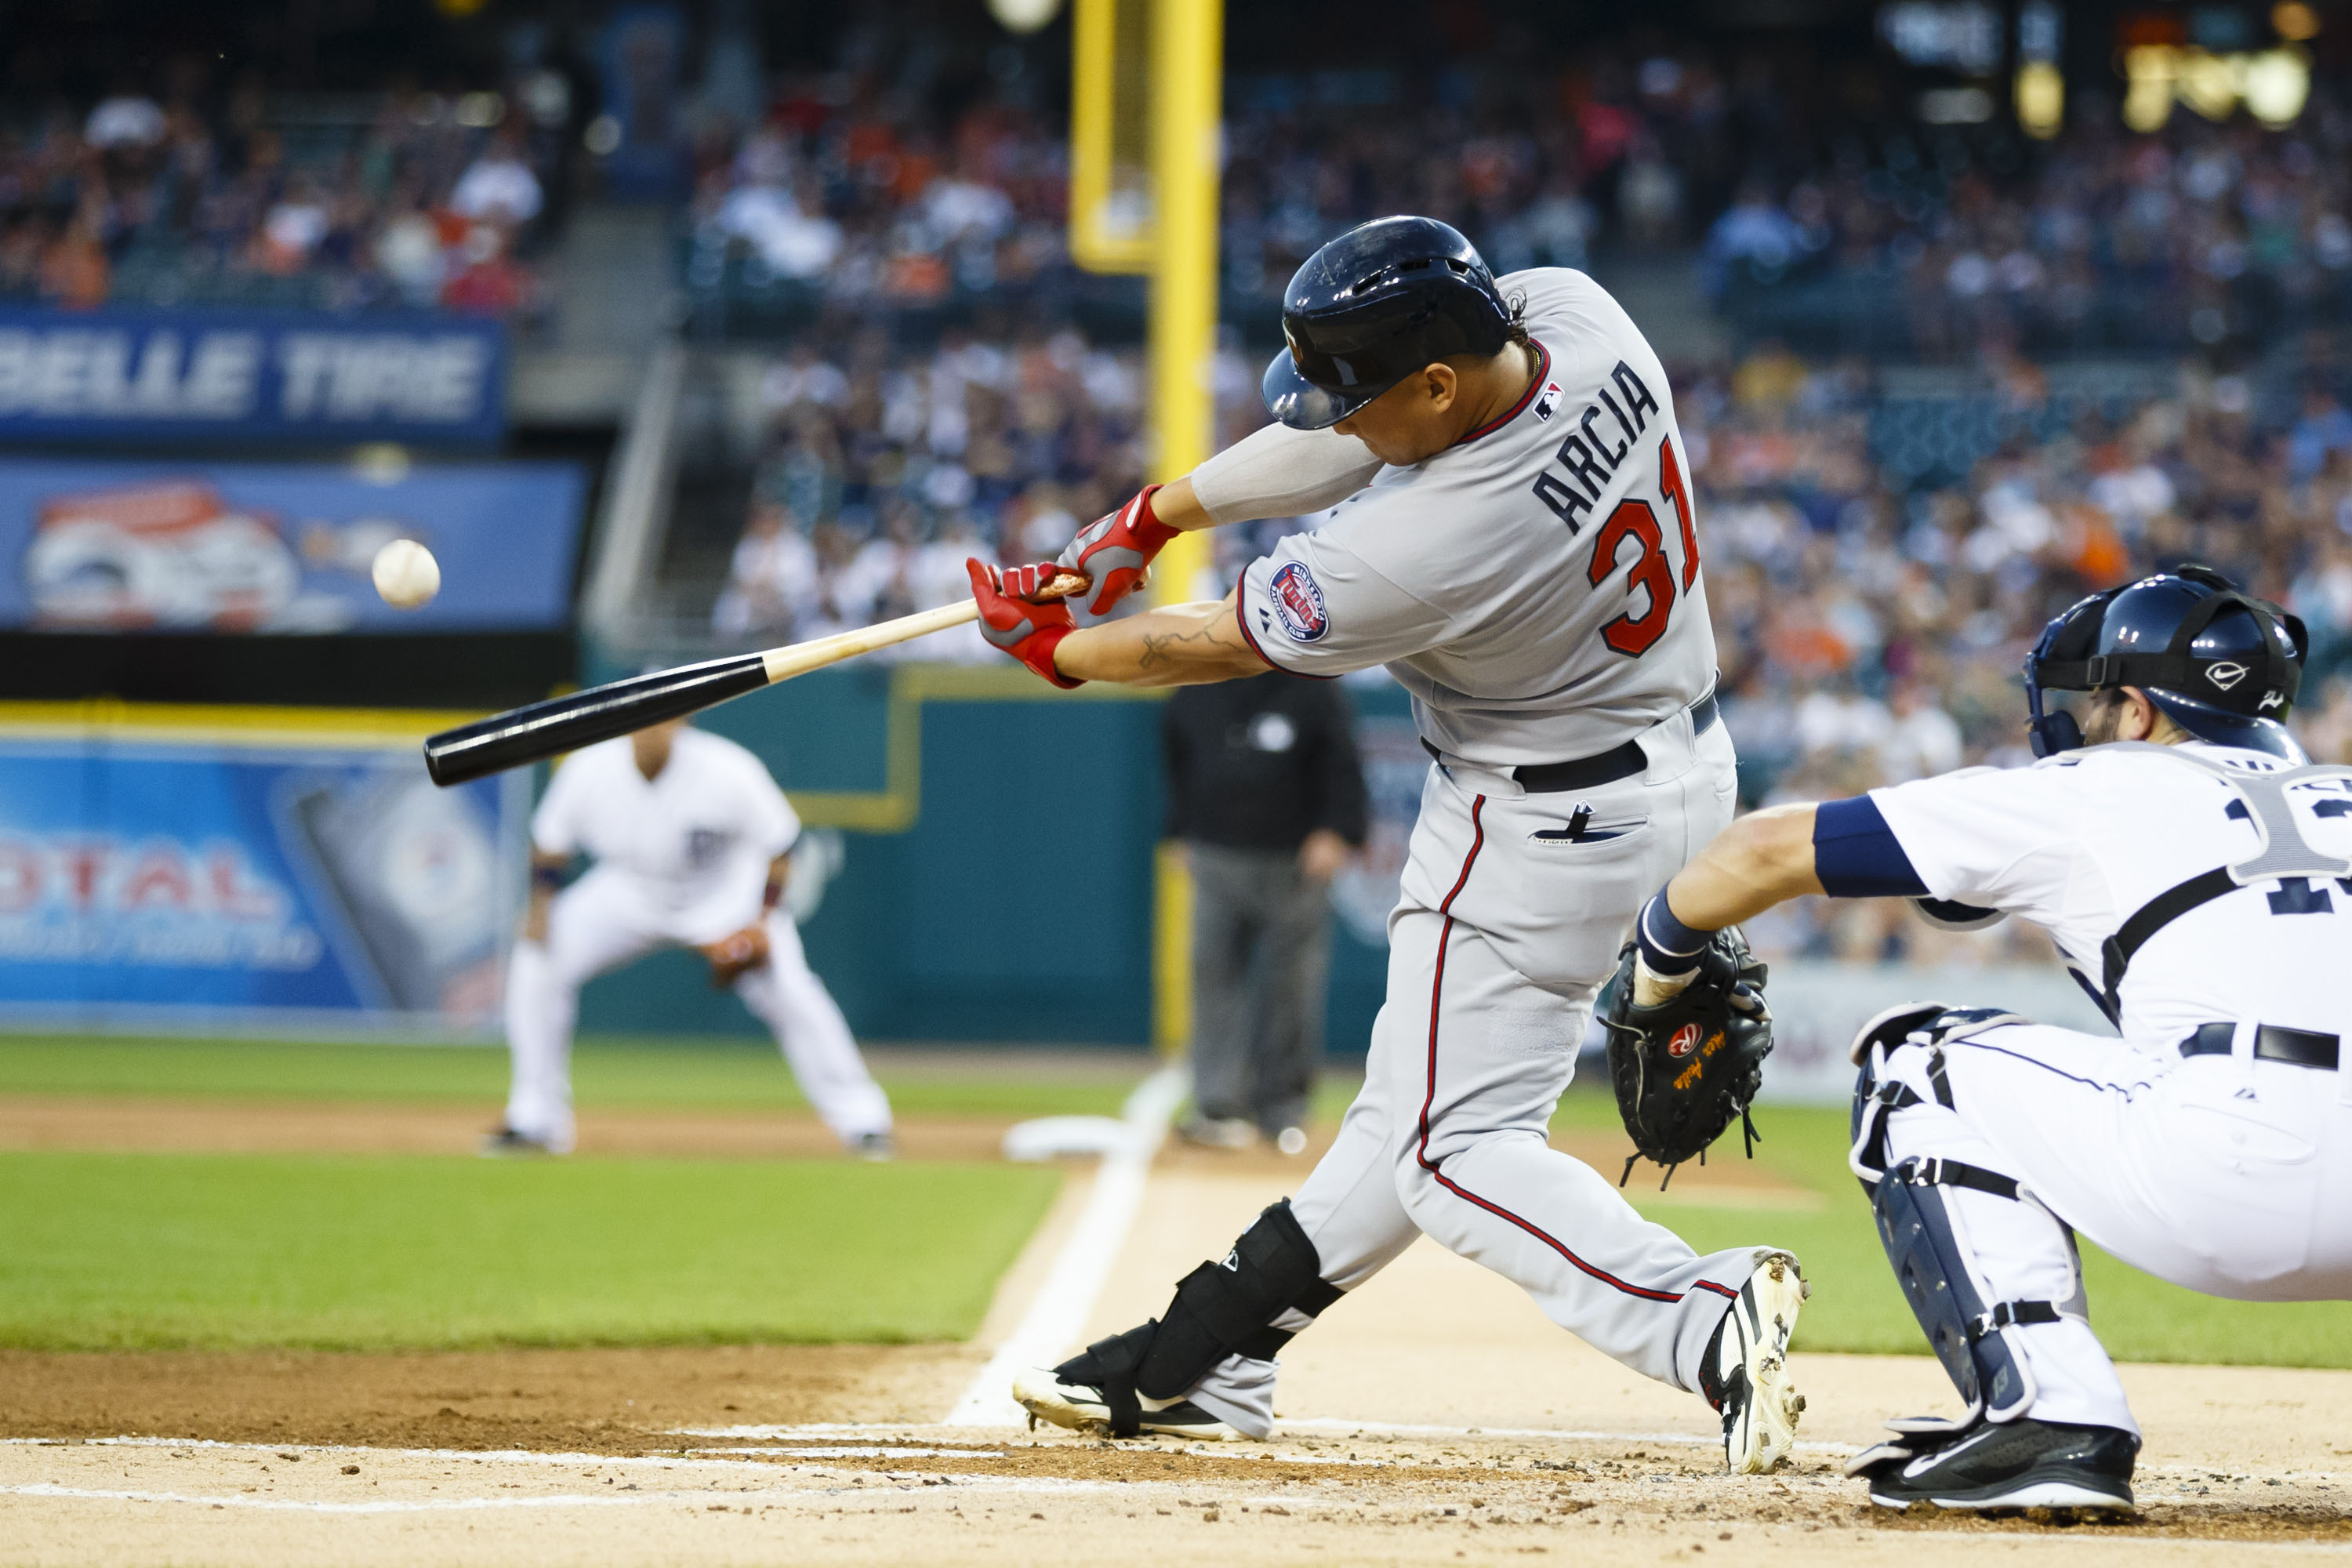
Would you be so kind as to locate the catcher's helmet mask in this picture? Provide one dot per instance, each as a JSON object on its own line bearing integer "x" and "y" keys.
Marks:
{"x": 2222, "y": 665}
{"x": 1373, "y": 306}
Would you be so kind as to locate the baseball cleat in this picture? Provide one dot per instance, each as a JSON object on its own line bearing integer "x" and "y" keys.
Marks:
{"x": 1217, "y": 1132}
{"x": 506, "y": 1143}
{"x": 2009, "y": 1463}
{"x": 873, "y": 1147}
{"x": 1081, "y": 1408}
{"x": 1750, "y": 1366}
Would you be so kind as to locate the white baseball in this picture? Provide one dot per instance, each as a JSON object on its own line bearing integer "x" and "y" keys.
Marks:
{"x": 405, "y": 574}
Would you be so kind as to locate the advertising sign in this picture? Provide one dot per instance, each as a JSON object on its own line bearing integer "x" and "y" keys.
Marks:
{"x": 276, "y": 547}
{"x": 153, "y": 880}
{"x": 250, "y": 376}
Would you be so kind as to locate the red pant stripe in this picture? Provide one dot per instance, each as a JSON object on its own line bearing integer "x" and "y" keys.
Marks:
{"x": 1436, "y": 997}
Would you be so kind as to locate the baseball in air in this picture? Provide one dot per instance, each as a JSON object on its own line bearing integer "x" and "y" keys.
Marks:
{"x": 405, "y": 574}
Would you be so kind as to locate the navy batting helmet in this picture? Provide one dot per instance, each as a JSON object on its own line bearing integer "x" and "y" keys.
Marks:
{"x": 2220, "y": 664}
{"x": 1373, "y": 306}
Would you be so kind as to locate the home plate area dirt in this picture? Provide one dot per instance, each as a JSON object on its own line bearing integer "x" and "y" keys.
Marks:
{"x": 1434, "y": 1417}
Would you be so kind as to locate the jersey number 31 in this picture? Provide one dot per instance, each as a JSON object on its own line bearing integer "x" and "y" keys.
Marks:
{"x": 1636, "y": 520}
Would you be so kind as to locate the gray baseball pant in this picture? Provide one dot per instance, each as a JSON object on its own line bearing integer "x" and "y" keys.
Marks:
{"x": 1507, "y": 929}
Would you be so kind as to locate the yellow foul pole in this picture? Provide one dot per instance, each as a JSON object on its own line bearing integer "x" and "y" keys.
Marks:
{"x": 1186, "y": 70}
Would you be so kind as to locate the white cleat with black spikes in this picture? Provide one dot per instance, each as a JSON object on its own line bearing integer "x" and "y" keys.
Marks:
{"x": 1749, "y": 1365}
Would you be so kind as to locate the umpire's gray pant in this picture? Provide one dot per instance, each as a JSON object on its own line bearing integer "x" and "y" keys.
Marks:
{"x": 1260, "y": 950}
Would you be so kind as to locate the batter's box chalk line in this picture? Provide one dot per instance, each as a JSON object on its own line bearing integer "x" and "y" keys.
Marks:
{"x": 1057, "y": 1315}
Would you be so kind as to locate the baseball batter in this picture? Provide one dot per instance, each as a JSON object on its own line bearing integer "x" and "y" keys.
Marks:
{"x": 690, "y": 840}
{"x": 2196, "y": 876}
{"x": 1514, "y": 539}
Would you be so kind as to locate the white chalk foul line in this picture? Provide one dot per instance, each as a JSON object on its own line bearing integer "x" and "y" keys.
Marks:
{"x": 1563, "y": 1434}
{"x": 294, "y": 1505}
{"x": 868, "y": 1451}
{"x": 1063, "y": 1302}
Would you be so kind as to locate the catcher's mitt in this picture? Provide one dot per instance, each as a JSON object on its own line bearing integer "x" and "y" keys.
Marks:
{"x": 730, "y": 956}
{"x": 1686, "y": 1067}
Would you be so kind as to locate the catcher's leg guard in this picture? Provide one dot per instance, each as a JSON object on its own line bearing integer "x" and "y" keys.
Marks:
{"x": 1219, "y": 1309}
{"x": 1929, "y": 1247}
{"x": 1877, "y": 1096}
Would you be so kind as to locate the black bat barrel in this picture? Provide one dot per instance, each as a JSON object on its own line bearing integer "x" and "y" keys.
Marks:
{"x": 561, "y": 724}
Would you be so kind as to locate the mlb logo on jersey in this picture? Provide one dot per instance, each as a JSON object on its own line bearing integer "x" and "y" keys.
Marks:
{"x": 1298, "y": 603}
{"x": 1549, "y": 403}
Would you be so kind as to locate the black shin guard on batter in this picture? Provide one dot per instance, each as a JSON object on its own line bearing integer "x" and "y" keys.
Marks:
{"x": 1220, "y": 1310}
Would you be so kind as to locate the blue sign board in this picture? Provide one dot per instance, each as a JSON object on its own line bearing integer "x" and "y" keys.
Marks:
{"x": 282, "y": 547}
{"x": 250, "y": 376}
{"x": 157, "y": 879}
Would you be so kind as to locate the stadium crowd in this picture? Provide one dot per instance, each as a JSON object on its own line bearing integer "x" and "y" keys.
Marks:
{"x": 1933, "y": 240}
{"x": 2107, "y": 240}
{"x": 250, "y": 197}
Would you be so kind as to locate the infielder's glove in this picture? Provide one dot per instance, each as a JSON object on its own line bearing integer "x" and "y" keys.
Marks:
{"x": 733, "y": 954}
{"x": 1685, "y": 1069}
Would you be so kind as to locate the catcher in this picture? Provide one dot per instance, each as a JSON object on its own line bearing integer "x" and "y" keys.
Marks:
{"x": 1515, "y": 540}
{"x": 2195, "y": 872}
{"x": 691, "y": 841}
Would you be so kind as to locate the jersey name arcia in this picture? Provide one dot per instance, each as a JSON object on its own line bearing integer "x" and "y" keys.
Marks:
{"x": 1590, "y": 455}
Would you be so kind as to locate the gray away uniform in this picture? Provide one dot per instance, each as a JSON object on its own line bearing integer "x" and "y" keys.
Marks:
{"x": 1536, "y": 588}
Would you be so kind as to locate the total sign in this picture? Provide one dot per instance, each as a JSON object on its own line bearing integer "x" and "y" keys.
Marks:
{"x": 149, "y": 375}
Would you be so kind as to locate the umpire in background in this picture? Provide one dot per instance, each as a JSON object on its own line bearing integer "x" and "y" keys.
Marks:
{"x": 1266, "y": 795}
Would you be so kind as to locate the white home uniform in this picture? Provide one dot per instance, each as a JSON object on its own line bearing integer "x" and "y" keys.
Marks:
{"x": 2211, "y": 1145}
{"x": 680, "y": 861}
{"x": 1536, "y": 588}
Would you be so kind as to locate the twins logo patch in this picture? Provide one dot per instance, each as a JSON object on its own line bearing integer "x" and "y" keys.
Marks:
{"x": 1549, "y": 403}
{"x": 1684, "y": 1041}
{"x": 1298, "y": 603}
{"x": 2225, "y": 676}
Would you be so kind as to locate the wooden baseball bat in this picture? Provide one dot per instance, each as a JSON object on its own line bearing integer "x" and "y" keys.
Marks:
{"x": 538, "y": 731}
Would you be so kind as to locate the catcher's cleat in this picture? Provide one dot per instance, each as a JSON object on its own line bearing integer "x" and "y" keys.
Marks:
{"x": 506, "y": 1143}
{"x": 873, "y": 1147}
{"x": 2009, "y": 1463}
{"x": 1082, "y": 1408}
{"x": 1746, "y": 1372}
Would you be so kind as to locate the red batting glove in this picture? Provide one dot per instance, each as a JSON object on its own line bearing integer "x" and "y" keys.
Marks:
{"x": 1112, "y": 553}
{"x": 1028, "y": 631}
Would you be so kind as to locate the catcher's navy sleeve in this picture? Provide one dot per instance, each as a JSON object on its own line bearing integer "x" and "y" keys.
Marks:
{"x": 1856, "y": 855}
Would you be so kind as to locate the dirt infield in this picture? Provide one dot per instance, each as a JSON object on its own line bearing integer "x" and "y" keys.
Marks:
{"x": 1434, "y": 1416}
{"x": 293, "y": 1127}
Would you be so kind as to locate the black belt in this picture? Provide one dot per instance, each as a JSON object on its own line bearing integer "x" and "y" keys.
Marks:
{"x": 1617, "y": 763}
{"x": 2300, "y": 1047}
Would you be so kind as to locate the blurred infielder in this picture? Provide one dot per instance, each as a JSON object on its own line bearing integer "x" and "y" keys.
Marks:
{"x": 2200, "y": 888}
{"x": 690, "y": 839}
{"x": 1519, "y": 552}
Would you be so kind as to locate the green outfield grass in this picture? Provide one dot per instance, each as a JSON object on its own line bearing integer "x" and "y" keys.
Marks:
{"x": 153, "y": 1251}
{"x": 633, "y": 1073}
{"x": 117, "y": 1250}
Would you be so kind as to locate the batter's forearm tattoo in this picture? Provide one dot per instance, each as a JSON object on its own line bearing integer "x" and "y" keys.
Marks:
{"x": 1165, "y": 649}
